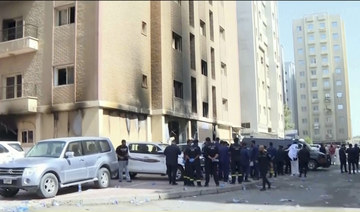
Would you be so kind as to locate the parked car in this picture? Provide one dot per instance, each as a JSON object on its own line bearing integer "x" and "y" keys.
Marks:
{"x": 317, "y": 158}
{"x": 149, "y": 158}
{"x": 10, "y": 150}
{"x": 56, "y": 163}
{"x": 315, "y": 146}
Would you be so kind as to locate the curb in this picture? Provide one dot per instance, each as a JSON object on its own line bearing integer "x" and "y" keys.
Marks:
{"x": 140, "y": 199}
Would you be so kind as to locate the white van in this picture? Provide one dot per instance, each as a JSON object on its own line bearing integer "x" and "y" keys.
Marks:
{"x": 10, "y": 150}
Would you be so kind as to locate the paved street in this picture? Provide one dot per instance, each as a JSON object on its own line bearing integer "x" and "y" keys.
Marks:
{"x": 323, "y": 190}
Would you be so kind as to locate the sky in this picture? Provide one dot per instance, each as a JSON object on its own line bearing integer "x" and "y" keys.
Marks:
{"x": 349, "y": 12}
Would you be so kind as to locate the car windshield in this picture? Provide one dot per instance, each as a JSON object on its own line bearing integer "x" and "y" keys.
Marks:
{"x": 52, "y": 149}
{"x": 163, "y": 146}
{"x": 17, "y": 147}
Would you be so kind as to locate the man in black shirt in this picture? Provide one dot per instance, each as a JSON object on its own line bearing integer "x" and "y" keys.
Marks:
{"x": 171, "y": 152}
{"x": 304, "y": 156}
{"x": 193, "y": 163}
{"x": 356, "y": 154}
{"x": 235, "y": 155}
{"x": 342, "y": 154}
{"x": 351, "y": 158}
{"x": 211, "y": 154}
{"x": 122, "y": 152}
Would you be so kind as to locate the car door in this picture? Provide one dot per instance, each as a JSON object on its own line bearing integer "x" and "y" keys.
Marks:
{"x": 4, "y": 154}
{"x": 91, "y": 155}
{"x": 75, "y": 169}
{"x": 145, "y": 158}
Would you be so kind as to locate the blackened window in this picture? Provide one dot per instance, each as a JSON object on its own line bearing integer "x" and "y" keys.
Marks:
{"x": 204, "y": 70}
{"x": 178, "y": 89}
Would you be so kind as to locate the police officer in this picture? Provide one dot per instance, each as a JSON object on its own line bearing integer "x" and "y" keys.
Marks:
{"x": 245, "y": 162}
{"x": 272, "y": 153}
{"x": 193, "y": 160}
{"x": 211, "y": 154}
{"x": 304, "y": 156}
{"x": 171, "y": 153}
{"x": 342, "y": 154}
{"x": 235, "y": 160}
{"x": 188, "y": 168}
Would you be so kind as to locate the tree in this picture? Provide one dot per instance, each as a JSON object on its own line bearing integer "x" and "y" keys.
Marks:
{"x": 289, "y": 125}
{"x": 308, "y": 140}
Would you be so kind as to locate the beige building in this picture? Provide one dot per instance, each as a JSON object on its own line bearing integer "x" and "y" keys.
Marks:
{"x": 125, "y": 70}
{"x": 322, "y": 78}
{"x": 262, "y": 113}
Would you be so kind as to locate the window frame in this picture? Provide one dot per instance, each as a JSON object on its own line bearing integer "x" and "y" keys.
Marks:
{"x": 69, "y": 80}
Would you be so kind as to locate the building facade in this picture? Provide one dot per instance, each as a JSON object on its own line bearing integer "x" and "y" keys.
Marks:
{"x": 290, "y": 99}
{"x": 322, "y": 78}
{"x": 262, "y": 113}
{"x": 117, "y": 69}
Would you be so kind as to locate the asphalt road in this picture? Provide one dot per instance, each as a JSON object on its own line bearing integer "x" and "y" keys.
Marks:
{"x": 322, "y": 190}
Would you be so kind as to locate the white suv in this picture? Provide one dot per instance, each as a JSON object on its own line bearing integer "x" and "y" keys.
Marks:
{"x": 10, "y": 150}
{"x": 149, "y": 158}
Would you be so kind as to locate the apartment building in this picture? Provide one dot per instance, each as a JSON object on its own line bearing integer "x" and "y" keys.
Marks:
{"x": 290, "y": 99}
{"x": 195, "y": 77}
{"x": 262, "y": 113}
{"x": 322, "y": 78}
{"x": 117, "y": 69}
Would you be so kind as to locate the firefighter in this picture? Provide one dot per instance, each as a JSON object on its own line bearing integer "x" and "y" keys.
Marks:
{"x": 193, "y": 159}
{"x": 235, "y": 160}
{"x": 211, "y": 154}
{"x": 187, "y": 165}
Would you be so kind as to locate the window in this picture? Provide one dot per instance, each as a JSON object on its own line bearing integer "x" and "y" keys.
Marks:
{"x": 338, "y": 71}
{"x": 193, "y": 95}
{"x": 314, "y": 83}
{"x": 322, "y": 36}
{"x": 316, "y": 131}
{"x": 64, "y": 76}
{"x": 302, "y": 85}
{"x": 176, "y": 42}
{"x": 304, "y": 121}
{"x": 104, "y": 146}
{"x": 325, "y": 71}
{"x": 65, "y": 16}
{"x": 338, "y": 82}
{"x": 303, "y": 109}
{"x": 316, "y": 108}
{"x": 211, "y": 25}
{"x": 301, "y": 62}
{"x": 222, "y": 33}
{"x": 144, "y": 28}
{"x": 91, "y": 147}
{"x": 300, "y": 51}
{"x": 192, "y": 52}
{"x": 336, "y": 47}
{"x": 13, "y": 87}
{"x": 339, "y": 95}
{"x": 191, "y": 12}
{"x": 322, "y": 25}
{"x": 326, "y": 84}
{"x": 245, "y": 125}
{"x": 212, "y": 54}
{"x": 210, "y": 2}
{"x": 144, "y": 81}
{"x": 337, "y": 59}
{"x": 305, "y": 132}
{"x": 335, "y": 36}
{"x": 303, "y": 96}
{"x": 311, "y": 37}
{"x": 316, "y": 120}
{"x": 324, "y": 59}
{"x": 178, "y": 89}
{"x": 327, "y": 95}
{"x": 300, "y": 39}
{"x": 302, "y": 73}
{"x": 27, "y": 136}
{"x": 204, "y": 70}
{"x": 313, "y": 61}
{"x": 205, "y": 109}
{"x": 75, "y": 147}
{"x": 312, "y": 50}
{"x": 310, "y": 26}
{"x": 202, "y": 28}
{"x": 314, "y": 96}
{"x": 313, "y": 72}
{"x": 340, "y": 107}
{"x": 323, "y": 48}
{"x": 213, "y": 89}
{"x": 298, "y": 28}
{"x": 12, "y": 29}
{"x": 223, "y": 69}
{"x": 334, "y": 24}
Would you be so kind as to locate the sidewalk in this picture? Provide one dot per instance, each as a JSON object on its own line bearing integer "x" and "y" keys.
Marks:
{"x": 137, "y": 193}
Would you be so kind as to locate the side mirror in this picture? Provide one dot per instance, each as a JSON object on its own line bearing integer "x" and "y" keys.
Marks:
{"x": 69, "y": 154}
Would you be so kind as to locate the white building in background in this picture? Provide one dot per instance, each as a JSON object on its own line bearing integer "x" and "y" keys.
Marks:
{"x": 322, "y": 78}
{"x": 290, "y": 91}
{"x": 262, "y": 113}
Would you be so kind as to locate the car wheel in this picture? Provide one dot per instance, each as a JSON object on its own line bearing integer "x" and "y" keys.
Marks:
{"x": 132, "y": 175}
{"x": 49, "y": 186}
{"x": 312, "y": 165}
{"x": 179, "y": 173}
{"x": 103, "y": 178}
{"x": 9, "y": 192}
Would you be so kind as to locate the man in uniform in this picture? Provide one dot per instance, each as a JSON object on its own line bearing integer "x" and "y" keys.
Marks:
{"x": 304, "y": 156}
{"x": 187, "y": 165}
{"x": 171, "y": 153}
{"x": 122, "y": 152}
{"x": 193, "y": 163}
{"x": 235, "y": 160}
{"x": 245, "y": 162}
{"x": 211, "y": 154}
{"x": 342, "y": 154}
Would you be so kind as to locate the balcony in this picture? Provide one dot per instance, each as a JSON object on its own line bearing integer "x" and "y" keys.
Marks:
{"x": 18, "y": 40}
{"x": 18, "y": 99}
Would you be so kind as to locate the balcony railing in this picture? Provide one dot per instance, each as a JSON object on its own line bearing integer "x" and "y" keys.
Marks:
{"x": 18, "y": 91}
{"x": 13, "y": 33}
